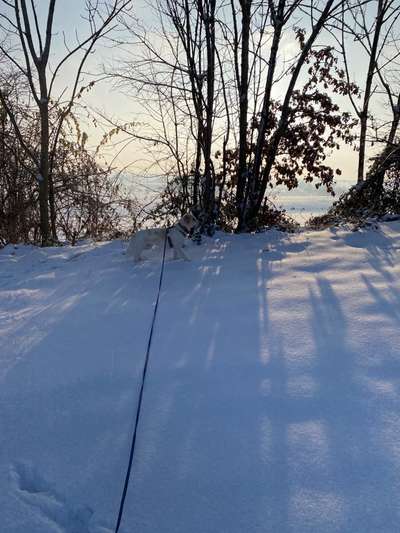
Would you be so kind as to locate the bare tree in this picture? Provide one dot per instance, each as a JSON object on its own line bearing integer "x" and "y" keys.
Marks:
{"x": 386, "y": 134}
{"x": 370, "y": 25}
{"x": 280, "y": 13}
{"x": 219, "y": 78}
{"x": 29, "y": 53}
{"x": 182, "y": 76}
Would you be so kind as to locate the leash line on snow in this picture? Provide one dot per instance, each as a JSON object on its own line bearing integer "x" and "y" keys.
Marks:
{"x": 140, "y": 400}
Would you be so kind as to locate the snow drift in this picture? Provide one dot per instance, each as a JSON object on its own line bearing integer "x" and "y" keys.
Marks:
{"x": 272, "y": 402}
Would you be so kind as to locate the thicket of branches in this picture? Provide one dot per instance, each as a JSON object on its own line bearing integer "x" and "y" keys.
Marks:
{"x": 88, "y": 201}
{"x": 244, "y": 95}
{"x": 37, "y": 105}
{"x": 371, "y": 31}
{"x": 239, "y": 97}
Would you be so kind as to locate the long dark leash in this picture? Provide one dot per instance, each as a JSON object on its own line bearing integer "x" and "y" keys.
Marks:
{"x": 140, "y": 401}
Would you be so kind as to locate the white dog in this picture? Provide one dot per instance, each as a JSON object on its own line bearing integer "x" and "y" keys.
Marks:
{"x": 147, "y": 238}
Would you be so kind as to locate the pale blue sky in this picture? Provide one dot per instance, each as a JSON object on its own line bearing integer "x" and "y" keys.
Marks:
{"x": 111, "y": 101}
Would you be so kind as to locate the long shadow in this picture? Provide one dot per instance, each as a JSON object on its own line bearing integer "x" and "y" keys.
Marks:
{"x": 260, "y": 418}
{"x": 357, "y": 472}
{"x": 259, "y": 415}
{"x": 68, "y": 397}
{"x": 385, "y": 300}
{"x": 382, "y": 250}
{"x": 211, "y": 453}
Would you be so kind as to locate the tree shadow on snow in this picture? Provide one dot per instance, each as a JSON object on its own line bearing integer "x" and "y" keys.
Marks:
{"x": 71, "y": 383}
{"x": 258, "y": 417}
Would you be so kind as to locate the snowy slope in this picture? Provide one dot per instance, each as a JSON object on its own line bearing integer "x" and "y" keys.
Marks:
{"x": 273, "y": 395}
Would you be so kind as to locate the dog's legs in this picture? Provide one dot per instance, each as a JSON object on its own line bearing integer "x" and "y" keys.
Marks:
{"x": 134, "y": 249}
{"x": 177, "y": 247}
{"x": 137, "y": 253}
{"x": 180, "y": 254}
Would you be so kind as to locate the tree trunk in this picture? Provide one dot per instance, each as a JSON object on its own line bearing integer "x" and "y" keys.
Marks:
{"x": 252, "y": 178}
{"x": 377, "y": 179}
{"x": 395, "y": 124}
{"x": 368, "y": 92}
{"x": 361, "y": 146}
{"x": 256, "y": 200}
{"x": 262, "y": 128}
{"x": 43, "y": 177}
{"x": 209, "y": 185}
{"x": 243, "y": 108}
{"x": 196, "y": 182}
{"x": 52, "y": 206}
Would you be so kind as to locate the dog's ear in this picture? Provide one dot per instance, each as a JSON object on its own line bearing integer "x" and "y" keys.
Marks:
{"x": 187, "y": 219}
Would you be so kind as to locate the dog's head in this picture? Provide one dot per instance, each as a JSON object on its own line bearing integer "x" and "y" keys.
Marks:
{"x": 189, "y": 221}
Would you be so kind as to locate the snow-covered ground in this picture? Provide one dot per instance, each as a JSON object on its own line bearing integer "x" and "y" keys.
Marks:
{"x": 272, "y": 402}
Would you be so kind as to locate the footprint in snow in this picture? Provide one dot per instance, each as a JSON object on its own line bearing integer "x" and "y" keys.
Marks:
{"x": 34, "y": 490}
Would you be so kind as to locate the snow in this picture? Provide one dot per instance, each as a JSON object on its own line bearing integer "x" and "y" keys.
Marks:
{"x": 272, "y": 401}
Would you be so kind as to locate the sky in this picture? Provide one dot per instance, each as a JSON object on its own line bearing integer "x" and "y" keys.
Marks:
{"x": 107, "y": 100}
